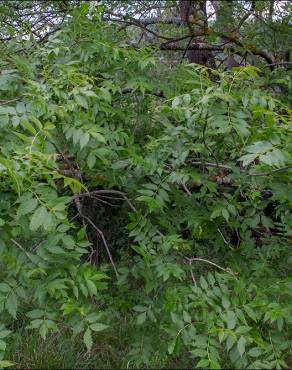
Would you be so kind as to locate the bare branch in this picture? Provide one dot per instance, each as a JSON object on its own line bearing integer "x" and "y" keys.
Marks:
{"x": 94, "y": 192}
{"x": 209, "y": 164}
{"x": 159, "y": 94}
{"x": 270, "y": 173}
{"x": 104, "y": 242}
{"x": 279, "y": 64}
{"x": 4, "y": 102}
{"x": 190, "y": 260}
{"x": 186, "y": 189}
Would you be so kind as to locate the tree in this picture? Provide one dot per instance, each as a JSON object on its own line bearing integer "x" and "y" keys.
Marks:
{"x": 140, "y": 189}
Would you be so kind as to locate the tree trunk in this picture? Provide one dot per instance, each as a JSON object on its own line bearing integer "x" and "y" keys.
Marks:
{"x": 225, "y": 23}
{"x": 193, "y": 13}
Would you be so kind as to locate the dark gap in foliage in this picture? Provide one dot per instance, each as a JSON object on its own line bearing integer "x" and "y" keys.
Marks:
{"x": 111, "y": 219}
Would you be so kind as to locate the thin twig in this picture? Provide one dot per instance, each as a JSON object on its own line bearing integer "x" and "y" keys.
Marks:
{"x": 209, "y": 164}
{"x": 77, "y": 202}
{"x": 21, "y": 248}
{"x": 190, "y": 260}
{"x": 278, "y": 64}
{"x": 273, "y": 171}
{"x": 103, "y": 201}
{"x": 4, "y": 102}
{"x": 159, "y": 94}
{"x": 186, "y": 189}
{"x": 104, "y": 242}
{"x": 109, "y": 197}
{"x": 94, "y": 192}
{"x": 186, "y": 49}
{"x": 225, "y": 241}
{"x": 192, "y": 273}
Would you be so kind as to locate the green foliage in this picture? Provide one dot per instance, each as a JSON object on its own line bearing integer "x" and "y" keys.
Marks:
{"x": 206, "y": 170}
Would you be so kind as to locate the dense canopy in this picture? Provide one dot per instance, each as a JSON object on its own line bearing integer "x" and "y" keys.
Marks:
{"x": 145, "y": 184}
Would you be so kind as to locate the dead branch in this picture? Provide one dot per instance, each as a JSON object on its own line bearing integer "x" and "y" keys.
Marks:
{"x": 271, "y": 172}
{"x": 104, "y": 242}
{"x": 117, "y": 192}
{"x": 190, "y": 260}
{"x": 209, "y": 164}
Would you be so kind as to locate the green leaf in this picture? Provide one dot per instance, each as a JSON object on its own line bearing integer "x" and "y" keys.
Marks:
{"x": 105, "y": 94}
{"x": 5, "y": 363}
{"x": 87, "y": 339}
{"x": 82, "y": 101}
{"x": 98, "y": 326}
{"x": 4, "y": 333}
{"x": 98, "y": 136}
{"x": 241, "y": 345}
{"x": 198, "y": 352}
{"x": 91, "y": 160}
{"x": 230, "y": 319}
{"x": 84, "y": 140}
{"x": 203, "y": 363}
{"x": 11, "y": 304}
{"x": 2, "y": 346}
{"x": 187, "y": 317}
{"x": 91, "y": 287}
{"x": 186, "y": 99}
{"x": 38, "y": 218}
{"x": 225, "y": 214}
{"x": 5, "y": 288}
{"x": 27, "y": 206}
{"x": 55, "y": 249}
{"x": 43, "y": 330}
{"x": 93, "y": 317}
{"x": 259, "y": 147}
{"x": 175, "y": 102}
{"x": 28, "y": 126}
{"x": 247, "y": 159}
{"x": 254, "y": 352}
{"x": 225, "y": 302}
{"x": 214, "y": 365}
{"x": 203, "y": 282}
{"x": 35, "y": 324}
{"x": 267, "y": 222}
{"x": 250, "y": 313}
{"x": 35, "y": 314}
{"x": 211, "y": 279}
{"x": 230, "y": 342}
{"x": 141, "y": 318}
{"x": 171, "y": 346}
{"x": 243, "y": 329}
{"x": 139, "y": 308}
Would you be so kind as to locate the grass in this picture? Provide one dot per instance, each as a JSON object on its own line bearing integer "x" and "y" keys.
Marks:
{"x": 61, "y": 351}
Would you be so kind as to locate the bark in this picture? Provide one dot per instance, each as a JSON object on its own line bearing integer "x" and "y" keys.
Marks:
{"x": 193, "y": 13}
{"x": 271, "y": 9}
{"x": 225, "y": 24}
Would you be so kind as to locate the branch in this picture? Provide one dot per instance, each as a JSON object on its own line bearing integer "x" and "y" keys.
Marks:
{"x": 279, "y": 64}
{"x": 186, "y": 189}
{"x": 104, "y": 242}
{"x": 155, "y": 20}
{"x": 94, "y": 192}
{"x": 46, "y": 36}
{"x": 245, "y": 17}
{"x": 138, "y": 24}
{"x": 194, "y": 46}
{"x": 273, "y": 171}
{"x": 4, "y": 102}
{"x": 21, "y": 248}
{"x": 190, "y": 260}
{"x": 160, "y": 94}
{"x": 209, "y": 164}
